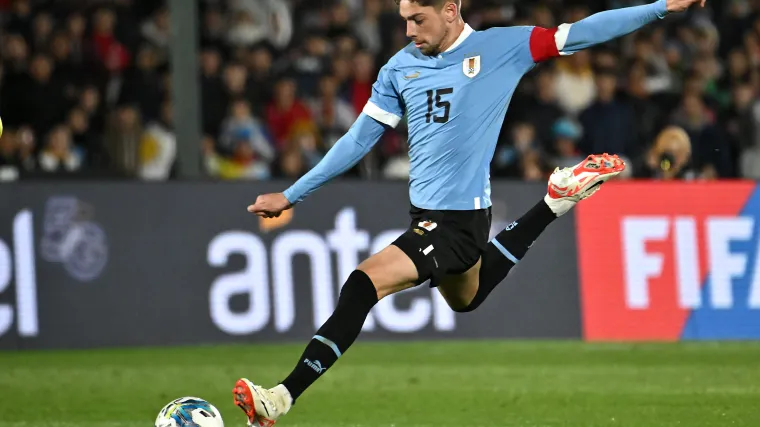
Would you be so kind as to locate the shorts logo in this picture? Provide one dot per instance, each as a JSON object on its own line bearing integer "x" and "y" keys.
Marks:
{"x": 511, "y": 226}
{"x": 427, "y": 225}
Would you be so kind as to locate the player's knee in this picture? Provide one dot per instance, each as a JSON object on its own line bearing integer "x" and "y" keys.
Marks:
{"x": 457, "y": 301}
{"x": 358, "y": 287}
{"x": 462, "y": 308}
{"x": 463, "y": 303}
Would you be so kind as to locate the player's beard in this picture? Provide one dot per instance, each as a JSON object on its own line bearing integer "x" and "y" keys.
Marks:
{"x": 429, "y": 50}
{"x": 434, "y": 49}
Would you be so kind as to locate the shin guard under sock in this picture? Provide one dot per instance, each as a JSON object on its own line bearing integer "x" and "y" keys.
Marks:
{"x": 357, "y": 297}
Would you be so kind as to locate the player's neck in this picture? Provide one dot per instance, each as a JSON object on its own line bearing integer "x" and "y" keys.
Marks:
{"x": 453, "y": 35}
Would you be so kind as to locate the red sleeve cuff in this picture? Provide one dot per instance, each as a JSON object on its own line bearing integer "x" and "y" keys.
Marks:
{"x": 543, "y": 46}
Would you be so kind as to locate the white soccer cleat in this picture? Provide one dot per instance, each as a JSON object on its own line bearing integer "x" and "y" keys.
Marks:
{"x": 262, "y": 406}
{"x": 570, "y": 185}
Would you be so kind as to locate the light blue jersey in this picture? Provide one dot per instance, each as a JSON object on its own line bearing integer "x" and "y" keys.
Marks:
{"x": 455, "y": 104}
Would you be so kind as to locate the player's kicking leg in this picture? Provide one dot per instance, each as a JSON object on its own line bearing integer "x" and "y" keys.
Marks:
{"x": 382, "y": 274}
{"x": 567, "y": 187}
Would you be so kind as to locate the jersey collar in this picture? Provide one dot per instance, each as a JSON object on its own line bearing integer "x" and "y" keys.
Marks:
{"x": 462, "y": 37}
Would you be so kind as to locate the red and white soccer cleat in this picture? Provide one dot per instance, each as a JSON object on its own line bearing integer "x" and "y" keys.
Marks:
{"x": 262, "y": 406}
{"x": 570, "y": 185}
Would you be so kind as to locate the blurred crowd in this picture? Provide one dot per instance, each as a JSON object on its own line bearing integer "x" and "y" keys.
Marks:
{"x": 85, "y": 89}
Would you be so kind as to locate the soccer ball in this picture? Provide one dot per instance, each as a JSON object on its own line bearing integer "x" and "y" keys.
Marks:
{"x": 189, "y": 412}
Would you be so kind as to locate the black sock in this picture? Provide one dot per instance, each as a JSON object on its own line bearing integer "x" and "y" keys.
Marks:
{"x": 507, "y": 248}
{"x": 357, "y": 297}
{"x": 519, "y": 236}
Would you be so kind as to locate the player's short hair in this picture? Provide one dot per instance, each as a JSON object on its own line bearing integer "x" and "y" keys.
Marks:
{"x": 435, "y": 3}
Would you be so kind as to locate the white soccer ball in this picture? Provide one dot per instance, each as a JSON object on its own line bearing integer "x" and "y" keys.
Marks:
{"x": 189, "y": 412}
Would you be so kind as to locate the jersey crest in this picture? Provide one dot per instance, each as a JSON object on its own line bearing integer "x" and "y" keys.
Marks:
{"x": 471, "y": 66}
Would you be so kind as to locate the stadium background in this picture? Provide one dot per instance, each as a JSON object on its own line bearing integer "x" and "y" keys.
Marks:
{"x": 121, "y": 227}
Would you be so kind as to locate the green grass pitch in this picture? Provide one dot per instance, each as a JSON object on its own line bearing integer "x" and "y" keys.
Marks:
{"x": 512, "y": 384}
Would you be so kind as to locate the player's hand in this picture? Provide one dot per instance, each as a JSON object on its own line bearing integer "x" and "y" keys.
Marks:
{"x": 270, "y": 205}
{"x": 682, "y": 5}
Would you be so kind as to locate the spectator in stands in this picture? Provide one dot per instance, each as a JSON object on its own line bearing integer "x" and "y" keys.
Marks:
{"x": 2, "y": 88}
{"x": 606, "y": 59}
{"x": 90, "y": 102}
{"x": 236, "y": 85}
{"x": 157, "y": 32}
{"x": 345, "y": 45}
{"x": 668, "y": 158}
{"x": 84, "y": 139}
{"x": 15, "y": 78}
{"x": 158, "y": 146}
{"x": 340, "y": 20}
{"x": 609, "y": 125}
{"x": 303, "y": 152}
{"x": 543, "y": 108}
{"x": 16, "y": 54}
{"x": 398, "y": 165}
{"x": 213, "y": 94}
{"x": 59, "y": 154}
{"x": 534, "y": 167}
{"x": 241, "y": 126}
{"x": 260, "y": 64}
{"x": 214, "y": 30}
{"x": 566, "y": 135}
{"x": 739, "y": 71}
{"x": 710, "y": 152}
{"x": 333, "y": 115}
{"x": 272, "y": 15}
{"x": 43, "y": 103}
{"x": 26, "y": 146}
{"x": 242, "y": 164}
{"x": 42, "y": 32}
{"x": 516, "y": 159}
{"x": 122, "y": 140}
{"x": 142, "y": 84}
{"x": 108, "y": 49}
{"x": 738, "y": 121}
{"x": 647, "y": 113}
{"x": 657, "y": 75}
{"x": 20, "y": 20}
{"x": 364, "y": 76}
{"x": 10, "y": 165}
{"x": 67, "y": 72}
{"x": 311, "y": 64}
{"x": 247, "y": 29}
{"x": 286, "y": 112}
{"x": 367, "y": 28}
{"x": 76, "y": 26}
{"x": 574, "y": 83}
{"x": 342, "y": 70}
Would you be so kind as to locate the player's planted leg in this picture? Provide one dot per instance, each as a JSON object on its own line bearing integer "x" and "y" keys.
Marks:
{"x": 385, "y": 273}
{"x": 567, "y": 187}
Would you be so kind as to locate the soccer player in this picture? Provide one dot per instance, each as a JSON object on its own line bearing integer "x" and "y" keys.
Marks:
{"x": 454, "y": 85}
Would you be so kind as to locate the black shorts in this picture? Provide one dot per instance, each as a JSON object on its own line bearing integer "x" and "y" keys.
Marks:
{"x": 445, "y": 242}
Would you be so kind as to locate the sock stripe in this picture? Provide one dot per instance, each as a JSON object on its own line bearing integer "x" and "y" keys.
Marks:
{"x": 328, "y": 343}
{"x": 504, "y": 251}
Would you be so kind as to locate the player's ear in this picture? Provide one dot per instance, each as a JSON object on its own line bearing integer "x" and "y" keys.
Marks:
{"x": 451, "y": 10}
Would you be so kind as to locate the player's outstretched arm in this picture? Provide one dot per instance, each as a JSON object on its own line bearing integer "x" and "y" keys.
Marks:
{"x": 354, "y": 145}
{"x": 602, "y": 27}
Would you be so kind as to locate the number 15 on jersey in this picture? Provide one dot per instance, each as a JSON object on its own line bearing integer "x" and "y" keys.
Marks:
{"x": 440, "y": 103}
